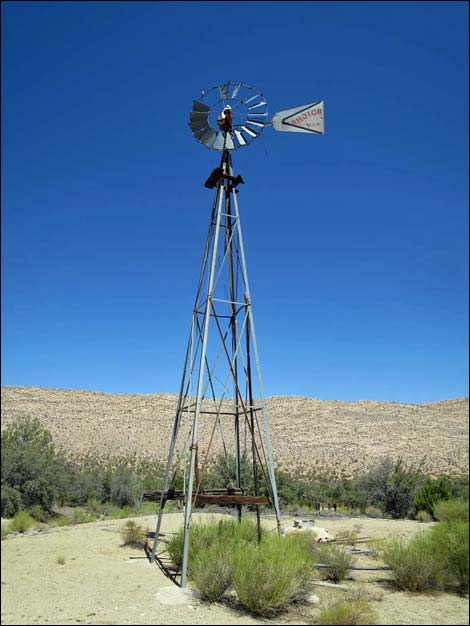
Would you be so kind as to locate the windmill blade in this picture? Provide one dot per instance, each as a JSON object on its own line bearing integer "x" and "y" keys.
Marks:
{"x": 198, "y": 115}
{"x": 201, "y": 132}
{"x": 249, "y": 131}
{"x": 223, "y": 90}
{"x": 241, "y": 140}
{"x": 308, "y": 118}
{"x": 259, "y": 124}
{"x": 200, "y": 106}
{"x": 208, "y": 137}
{"x": 229, "y": 145}
{"x": 255, "y": 106}
{"x": 236, "y": 89}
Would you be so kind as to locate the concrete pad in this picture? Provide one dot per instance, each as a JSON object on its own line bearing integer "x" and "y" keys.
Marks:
{"x": 175, "y": 596}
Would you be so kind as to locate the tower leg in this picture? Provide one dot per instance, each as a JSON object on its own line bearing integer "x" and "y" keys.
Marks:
{"x": 189, "y": 493}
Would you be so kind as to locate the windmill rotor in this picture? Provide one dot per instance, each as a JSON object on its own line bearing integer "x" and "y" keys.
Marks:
{"x": 231, "y": 115}
{"x": 248, "y": 110}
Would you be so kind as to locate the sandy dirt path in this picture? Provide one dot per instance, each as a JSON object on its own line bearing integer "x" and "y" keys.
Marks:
{"x": 104, "y": 583}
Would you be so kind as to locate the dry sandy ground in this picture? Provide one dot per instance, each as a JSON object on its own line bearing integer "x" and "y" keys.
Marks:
{"x": 104, "y": 583}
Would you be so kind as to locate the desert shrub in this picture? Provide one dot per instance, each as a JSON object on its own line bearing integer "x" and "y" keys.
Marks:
{"x": 31, "y": 465}
{"x": 416, "y": 564}
{"x": 373, "y": 511}
{"x": 211, "y": 572}
{"x": 269, "y": 576}
{"x": 338, "y": 560}
{"x": 81, "y": 517}
{"x": 125, "y": 487}
{"x": 5, "y": 531}
{"x": 451, "y": 511}
{"x": 11, "y": 501}
{"x": 349, "y": 612}
{"x": 60, "y": 559}
{"x": 390, "y": 485}
{"x": 432, "y": 490}
{"x": 61, "y": 520}
{"x": 423, "y": 516}
{"x": 21, "y": 522}
{"x": 442, "y": 488}
{"x": 133, "y": 534}
{"x": 87, "y": 480}
{"x": 228, "y": 532}
{"x": 94, "y": 507}
{"x": 39, "y": 514}
{"x": 175, "y": 548}
{"x": 451, "y": 547}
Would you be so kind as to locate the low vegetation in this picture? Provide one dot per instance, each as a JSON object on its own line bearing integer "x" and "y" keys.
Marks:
{"x": 133, "y": 534}
{"x": 270, "y": 576}
{"x": 349, "y": 612}
{"x": 21, "y": 522}
{"x": 338, "y": 561}
{"x": 267, "y": 576}
{"x": 39, "y": 479}
{"x": 433, "y": 560}
{"x": 451, "y": 511}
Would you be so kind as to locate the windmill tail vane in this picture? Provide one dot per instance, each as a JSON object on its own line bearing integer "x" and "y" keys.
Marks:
{"x": 221, "y": 406}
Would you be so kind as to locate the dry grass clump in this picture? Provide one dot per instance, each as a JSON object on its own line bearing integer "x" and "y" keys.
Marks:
{"x": 60, "y": 559}
{"x": 349, "y": 612}
{"x": 339, "y": 562}
{"x": 133, "y": 534}
{"x": 423, "y": 516}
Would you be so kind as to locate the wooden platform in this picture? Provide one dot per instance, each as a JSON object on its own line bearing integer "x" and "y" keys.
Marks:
{"x": 224, "y": 497}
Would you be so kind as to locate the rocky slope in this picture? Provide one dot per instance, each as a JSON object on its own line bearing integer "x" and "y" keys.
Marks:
{"x": 306, "y": 433}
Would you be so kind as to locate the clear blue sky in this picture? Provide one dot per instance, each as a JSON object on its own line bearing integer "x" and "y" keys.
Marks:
{"x": 356, "y": 241}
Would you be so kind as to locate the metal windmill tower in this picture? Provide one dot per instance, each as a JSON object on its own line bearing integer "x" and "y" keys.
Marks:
{"x": 221, "y": 404}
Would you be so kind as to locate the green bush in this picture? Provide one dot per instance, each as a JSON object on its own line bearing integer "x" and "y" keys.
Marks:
{"x": 21, "y": 522}
{"x": 39, "y": 514}
{"x": 423, "y": 516}
{"x": 432, "y": 490}
{"x": 266, "y": 576}
{"x": 442, "y": 488}
{"x": 338, "y": 560}
{"x": 417, "y": 564}
{"x": 228, "y": 532}
{"x": 175, "y": 548}
{"x": 269, "y": 576}
{"x": 451, "y": 511}
{"x": 11, "y": 501}
{"x": 211, "y": 572}
{"x": 125, "y": 487}
{"x": 373, "y": 511}
{"x": 81, "y": 517}
{"x": 452, "y": 549}
{"x": 30, "y": 464}
{"x": 390, "y": 485}
{"x": 5, "y": 531}
{"x": 348, "y": 612}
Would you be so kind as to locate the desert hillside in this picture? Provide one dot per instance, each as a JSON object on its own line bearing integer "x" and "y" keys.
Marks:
{"x": 305, "y": 432}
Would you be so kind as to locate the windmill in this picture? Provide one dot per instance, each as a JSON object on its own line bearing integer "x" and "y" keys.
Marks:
{"x": 221, "y": 404}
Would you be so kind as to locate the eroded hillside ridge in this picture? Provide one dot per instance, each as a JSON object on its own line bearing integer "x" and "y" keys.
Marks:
{"x": 306, "y": 433}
